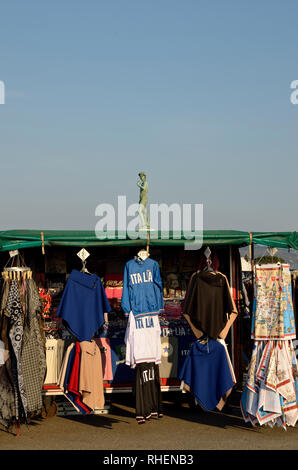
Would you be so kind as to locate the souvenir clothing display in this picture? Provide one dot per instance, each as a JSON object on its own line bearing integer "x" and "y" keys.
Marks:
{"x": 142, "y": 288}
{"x": 207, "y": 374}
{"x": 273, "y": 314}
{"x": 270, "y": 395}
{"x": 81, "y": 376}
{"x": 83, "y": 305}
{"x": 166, "y": 329}
{"x": 73, "y": 379}
{"x": 147, "y": 392}
{"x": 271, "y": 392}
{"x": 209, "y": 302}
{"x": 142, "y": 302}
{"x": 91, "y": 379}
{"x": 23, "y": 373}
{"x": 207, "y": 371}
{"x": 142, "y": 339}
{"x": 68, "y": 370}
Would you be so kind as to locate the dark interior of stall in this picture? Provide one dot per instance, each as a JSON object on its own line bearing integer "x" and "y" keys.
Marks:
{"x": 51, "y": 270}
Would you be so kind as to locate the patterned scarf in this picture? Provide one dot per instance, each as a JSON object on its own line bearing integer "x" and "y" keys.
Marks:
{"x": 33, "y": 357}
{"x": 15, "y": 312}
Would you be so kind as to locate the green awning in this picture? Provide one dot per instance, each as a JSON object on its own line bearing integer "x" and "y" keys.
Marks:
{"x": 276, "y": 239}
{"x": 19, "y": 239}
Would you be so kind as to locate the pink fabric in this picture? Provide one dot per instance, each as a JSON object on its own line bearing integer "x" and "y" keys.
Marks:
{"x": 114, "y": 286}
{"x": 106, "y": 358}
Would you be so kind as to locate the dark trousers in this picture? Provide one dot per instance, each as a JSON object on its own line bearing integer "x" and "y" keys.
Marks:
{"x": 147, "y": 391}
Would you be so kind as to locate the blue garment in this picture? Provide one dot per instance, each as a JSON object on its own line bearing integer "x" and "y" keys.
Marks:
{"x": 121, "y": 372}
{"x": 207, "y": 373}
{"x": 70, "y": 395}
{"x": 289, "y": 318}
{"x": 72, "y": 398}
{"x": 83, "y": 304}
{"x": 142, "y": 288}
{"x": 184, "y": 346}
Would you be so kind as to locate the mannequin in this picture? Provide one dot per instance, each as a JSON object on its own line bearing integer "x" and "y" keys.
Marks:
{"x": 223, "y": 334}
{"x": 208, "y": 267}
{"x": 207, "y": 302}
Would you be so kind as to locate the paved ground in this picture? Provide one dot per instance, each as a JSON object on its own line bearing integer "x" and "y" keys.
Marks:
{"x": 182, "y": 428}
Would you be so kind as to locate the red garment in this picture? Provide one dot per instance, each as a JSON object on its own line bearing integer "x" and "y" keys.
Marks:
{"x": 46, "y": 301}
{"x": 73, "y": 386}
{"x": 114, "y": 286}
{"x": 173, "y": 310}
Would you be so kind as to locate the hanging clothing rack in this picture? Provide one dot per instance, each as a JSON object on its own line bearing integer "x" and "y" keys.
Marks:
{"x": 15, "y": 268}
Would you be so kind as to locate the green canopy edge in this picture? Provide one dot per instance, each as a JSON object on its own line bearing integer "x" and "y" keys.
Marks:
{"x": 19, "y": 239}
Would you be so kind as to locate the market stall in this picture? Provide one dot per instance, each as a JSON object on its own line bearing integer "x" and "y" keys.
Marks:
{"x": 52, "y": 255}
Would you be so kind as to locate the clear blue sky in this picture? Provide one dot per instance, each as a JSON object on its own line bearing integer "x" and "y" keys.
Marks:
{"x": 195, "y": 93}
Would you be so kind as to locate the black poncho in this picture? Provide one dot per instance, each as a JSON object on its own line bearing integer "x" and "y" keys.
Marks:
{"x": 208, "y": 301}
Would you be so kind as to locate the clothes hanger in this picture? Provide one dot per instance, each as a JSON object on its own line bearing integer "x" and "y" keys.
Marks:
{"x": 143, "y": 254}
{"x": 204, "y": 340}
{"x": 271, "y": 252}
{"x": 15, "y": 268}
{"x": 83, "y": 255}
{"x": 207, "y": 253}
{"x": 84, "y": 269}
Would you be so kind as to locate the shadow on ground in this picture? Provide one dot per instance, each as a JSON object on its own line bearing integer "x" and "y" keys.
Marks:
{"x": 181, "y": 406}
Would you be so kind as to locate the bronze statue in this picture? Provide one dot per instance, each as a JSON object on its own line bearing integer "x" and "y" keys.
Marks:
{"x": 143, "y": 201}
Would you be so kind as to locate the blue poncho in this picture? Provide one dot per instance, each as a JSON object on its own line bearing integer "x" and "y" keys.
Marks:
{"x": 83, "y": 304}
{"x": 207, "y": 374}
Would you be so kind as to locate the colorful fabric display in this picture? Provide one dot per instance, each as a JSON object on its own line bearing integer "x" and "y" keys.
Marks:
{"x": 273, "y": 314}
{"x": 270, "y": 395}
